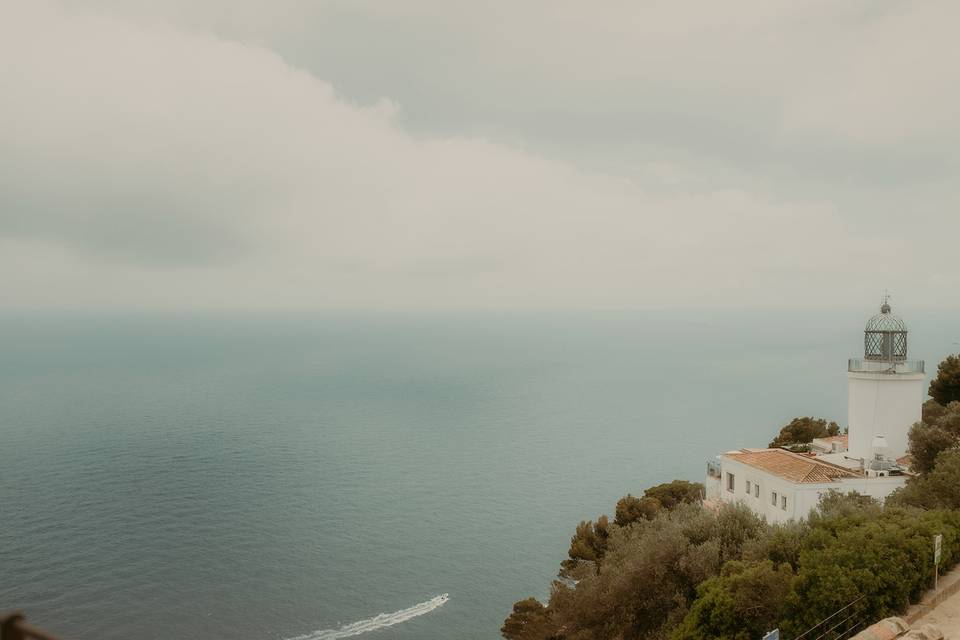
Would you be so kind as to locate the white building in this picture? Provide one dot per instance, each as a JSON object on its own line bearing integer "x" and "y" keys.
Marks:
{"x": 885, "y": 394}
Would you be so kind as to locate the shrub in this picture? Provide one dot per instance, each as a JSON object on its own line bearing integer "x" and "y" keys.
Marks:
{"x": 745, "y": 601}
{"x": 945, "y": 388}
{"x": 671, "y": 494}
{"x": 939, "y": 489}
{"x": 528, "y": 621}
{"x": 803, "y": 430}
{"x": 631, "y": 509}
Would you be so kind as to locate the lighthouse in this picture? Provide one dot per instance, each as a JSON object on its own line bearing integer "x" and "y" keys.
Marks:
{"x": 885, "y": 389}
{"x": 885, "y": 399}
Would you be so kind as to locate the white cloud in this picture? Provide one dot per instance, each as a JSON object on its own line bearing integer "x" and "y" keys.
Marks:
{"x": 873, "y": 71}
{"x": 145, "y": 165}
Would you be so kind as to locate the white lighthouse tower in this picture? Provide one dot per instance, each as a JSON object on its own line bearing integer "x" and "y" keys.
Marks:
{"x": 885, "y": 389}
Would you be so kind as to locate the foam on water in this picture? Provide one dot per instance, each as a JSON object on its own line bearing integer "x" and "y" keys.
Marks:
{"x": 380, "y": 621}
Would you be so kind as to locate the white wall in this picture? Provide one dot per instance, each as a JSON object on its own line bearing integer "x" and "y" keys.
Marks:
{"x": 882, "y": 404}
{"x": 802, "y": 498}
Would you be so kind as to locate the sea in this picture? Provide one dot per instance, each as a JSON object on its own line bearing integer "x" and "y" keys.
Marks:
{"x": 325, "y": 475}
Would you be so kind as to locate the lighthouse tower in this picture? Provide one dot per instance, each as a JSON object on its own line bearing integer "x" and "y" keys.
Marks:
{"x": 885, "y": 389}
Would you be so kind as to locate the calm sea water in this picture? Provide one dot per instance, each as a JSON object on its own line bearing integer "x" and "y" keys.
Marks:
{"x": 268, "y": 477}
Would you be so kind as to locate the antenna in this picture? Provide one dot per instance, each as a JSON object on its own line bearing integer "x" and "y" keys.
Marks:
{"x": 885, "y": 307}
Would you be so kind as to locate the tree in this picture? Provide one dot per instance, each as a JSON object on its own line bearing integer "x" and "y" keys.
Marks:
{"x": 926, "y": 443}
{"x": 931, "y": 411}
{"x": 945, "y": 388}
{"x": 631, "y": 509}
{"x": 938, "y": 489}
{"x": 834, "y": 504}
{"x": 803, "y": 431}
{"x": 671, "y": 494}
{"x": 881, "y": 555}
{"x": 939, "y": 431}
{"x": 650, "y": 572}
{"x": 530, "y": 620}
{"x": 780, "y": 543}
{"x": 949, "y": 420}
{"x": 745, "y": 601}
{"x": 588, "y": 544}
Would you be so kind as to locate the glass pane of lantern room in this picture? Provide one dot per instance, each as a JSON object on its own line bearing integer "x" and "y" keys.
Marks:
{"x": 887, "y": 348}
{"x": 900, "y": 345}
{"x": 871, "y": 344}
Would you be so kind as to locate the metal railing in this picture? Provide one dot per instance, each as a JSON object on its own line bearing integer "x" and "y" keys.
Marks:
{"x": 14, "y": 626}
{"x": 839, "y": 625}
{"x": 862, "y": 365}
{"x": 713, "y": 468}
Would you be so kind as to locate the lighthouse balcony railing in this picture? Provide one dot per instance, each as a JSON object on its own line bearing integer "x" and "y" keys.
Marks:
{"x": 862, "y": 365}
{"x": 713, "y": 467}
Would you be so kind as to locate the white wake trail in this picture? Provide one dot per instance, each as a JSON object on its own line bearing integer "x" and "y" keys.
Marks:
{"x": 380, "y": 621}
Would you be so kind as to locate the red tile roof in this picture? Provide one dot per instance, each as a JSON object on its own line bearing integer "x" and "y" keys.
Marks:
{"x": 792, "y": 466}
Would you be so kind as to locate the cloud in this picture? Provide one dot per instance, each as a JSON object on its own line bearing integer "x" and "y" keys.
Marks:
{"x": 871, "y": 71}
{"x": 146, "y": 164}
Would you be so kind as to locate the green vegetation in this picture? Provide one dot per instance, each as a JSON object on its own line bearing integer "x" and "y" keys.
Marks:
{"x": 695, "y": 573}
{"x": 631, "y": 509}
{"x": 937, "y": 432}
{"x": 587, "y": 548}
{"x": 937, "y": 489}
{"x": 802, "y": 431}
{"x": 945, "y": 388}
{"x": 727, "y": 605}
{"x": 939, "y": 428}
{"x": 589, "y": 543}
{"x": 932, "y": 411}
{"x": 528, "y": 620}
{"x": 935, "y": 449}
{"x": 884, "y": 555}
{"x": 670, "y": 494}
{"x": 647, "y": 578}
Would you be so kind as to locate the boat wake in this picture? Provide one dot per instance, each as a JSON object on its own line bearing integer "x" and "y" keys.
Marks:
{"x": 381, "y": 621}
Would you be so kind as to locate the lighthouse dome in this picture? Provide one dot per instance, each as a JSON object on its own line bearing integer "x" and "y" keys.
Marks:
{"x": 885, "y": 336}
{"x": 886, "y": 321}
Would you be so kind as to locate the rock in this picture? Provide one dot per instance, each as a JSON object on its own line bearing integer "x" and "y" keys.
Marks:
{"x": 926, "y": 632}
{"x": 886, "y": 629}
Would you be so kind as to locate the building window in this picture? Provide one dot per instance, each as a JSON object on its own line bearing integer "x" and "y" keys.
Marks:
{"x": 773, "y": 498}
{"x": 748, "y": 487}
{"x": 756, "y": 491}
{"x": 730, "y": 481}
{"x": 783, "y": 502}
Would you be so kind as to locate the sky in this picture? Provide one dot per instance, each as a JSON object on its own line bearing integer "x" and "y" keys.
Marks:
{"x": 438, "y": 154}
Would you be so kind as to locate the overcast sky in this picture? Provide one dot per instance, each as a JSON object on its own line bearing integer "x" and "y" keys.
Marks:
{"x": 437, "y": 154}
